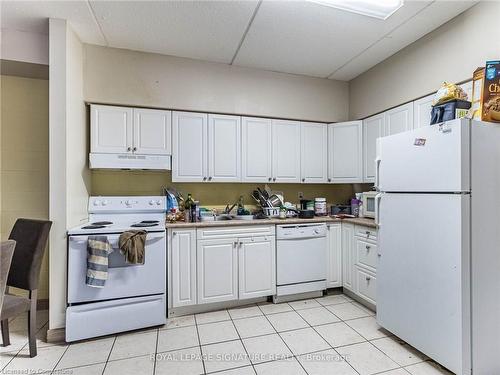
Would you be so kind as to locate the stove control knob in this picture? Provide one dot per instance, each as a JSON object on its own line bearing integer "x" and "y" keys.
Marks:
{"x": 97, "y": 203}
{"x": 151, "y": 202}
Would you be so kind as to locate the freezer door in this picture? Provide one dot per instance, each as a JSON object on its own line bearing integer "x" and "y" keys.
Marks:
{"x": 430, "y": 159}
{"x": 423, "y": 293}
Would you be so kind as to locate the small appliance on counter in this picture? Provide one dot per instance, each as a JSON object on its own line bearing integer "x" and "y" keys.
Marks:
{"x": 340, "y": 209}
{"x": 368, "y": 203}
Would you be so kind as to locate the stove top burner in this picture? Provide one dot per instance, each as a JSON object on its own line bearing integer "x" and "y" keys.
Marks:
{"x": 144, "y": 225}
{"x": 93, "y": 226}
{"x": 102, "y": 223}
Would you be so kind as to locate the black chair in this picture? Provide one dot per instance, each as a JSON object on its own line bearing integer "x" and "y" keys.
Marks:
{"x": 31, "y": 238}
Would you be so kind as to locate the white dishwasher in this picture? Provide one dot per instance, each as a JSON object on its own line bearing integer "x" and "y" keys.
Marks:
{"x": 301, "y": 258}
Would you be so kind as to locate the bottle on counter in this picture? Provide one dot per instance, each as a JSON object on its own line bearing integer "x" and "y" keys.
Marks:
{"x": 188, "y": 203}
{"x": 320, "y": 206}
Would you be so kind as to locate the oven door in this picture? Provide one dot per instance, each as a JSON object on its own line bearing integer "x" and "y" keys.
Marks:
{"x": 124, "y": 280}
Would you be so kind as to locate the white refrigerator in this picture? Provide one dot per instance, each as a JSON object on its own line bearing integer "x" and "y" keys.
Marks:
{"x": 438, "y": 211}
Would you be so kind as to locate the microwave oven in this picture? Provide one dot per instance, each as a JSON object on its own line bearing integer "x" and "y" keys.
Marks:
{"x": 368, "y": 202}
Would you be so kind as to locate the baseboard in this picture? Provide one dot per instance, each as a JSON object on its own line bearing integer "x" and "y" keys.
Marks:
{"x": 56, "y": 335}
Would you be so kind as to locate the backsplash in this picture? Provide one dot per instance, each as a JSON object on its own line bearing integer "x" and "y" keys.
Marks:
{"x": 212, "y": 194}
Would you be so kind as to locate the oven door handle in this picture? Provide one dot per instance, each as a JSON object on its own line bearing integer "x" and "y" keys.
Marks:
{"x": 113, "y": 239}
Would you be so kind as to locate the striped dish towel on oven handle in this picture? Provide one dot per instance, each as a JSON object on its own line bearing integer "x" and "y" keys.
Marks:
{"x": 98, "y": 250}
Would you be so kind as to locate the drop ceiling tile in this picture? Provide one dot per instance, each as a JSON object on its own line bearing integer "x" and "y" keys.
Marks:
{"x": 430, "y": 18}
{"x": 32, "y": 16}
{"x": 205, "y": 30}
{"x": 307, "y": 38}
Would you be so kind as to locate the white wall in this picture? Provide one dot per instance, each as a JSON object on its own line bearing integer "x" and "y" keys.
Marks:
{"x": 69, "y": 177}
{"x": 450, "y": 53}
{"x": 24, "y": 46}
{"x": 136, "y": 78}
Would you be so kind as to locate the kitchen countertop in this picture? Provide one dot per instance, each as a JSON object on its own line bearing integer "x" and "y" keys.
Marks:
{"x": 225, "y": 223}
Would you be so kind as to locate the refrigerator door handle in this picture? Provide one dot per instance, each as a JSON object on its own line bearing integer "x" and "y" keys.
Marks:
{"x": 377, "y": 168}
{"x": 378, "y": 198}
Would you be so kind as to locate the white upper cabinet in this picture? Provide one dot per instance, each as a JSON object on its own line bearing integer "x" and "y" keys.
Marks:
{"x": 189, "y": 147}
{"x": 286, "y": 151}
{"x": 152, "y": 132}
{"x": 224, "y": 148}
{"x": 373, "y": 128}
{"x": 256, "y": 149}
{"x": 314, "y": 152}
{"x": 399, "y": 119}
{"x": 345, "y": 163}
{"x": 111, "y": 129}
{"x": 422, "y": 111}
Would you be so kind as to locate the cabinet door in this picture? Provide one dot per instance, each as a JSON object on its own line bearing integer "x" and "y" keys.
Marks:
{"x": 348, "y": 256}
{"x": 256, "y": 146}
{"x": 183, "y": 267}
{"x": 373, "y": 128}
{"x": 110, "y": 129}
{"x": 152, "y": 132}
{"x": 399, "y": 119}
{"x": 257, "y": 267}
{"x": 286, "y": 151}
{"x": 345, "y": 147}
{"x": 422, "y": 111}
{"x": 189, "y": 147}
{"x": 224, "y": 148}
{"x": 334, "y": 270}
{"x": 217, "y": 271}
{"x": 313, "y": 152}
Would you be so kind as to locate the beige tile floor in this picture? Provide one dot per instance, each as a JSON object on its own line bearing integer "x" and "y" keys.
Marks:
{"x": 328, "y": 335}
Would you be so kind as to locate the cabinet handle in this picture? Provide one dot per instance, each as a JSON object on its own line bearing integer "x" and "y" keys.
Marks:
{"x": 379, "y": 255}
{"x": 129, "y": 149}
{"x": 368, "y": 278}
{"x": 235, "y": 244}
{"x": 174, "y": 233}
{"x": 303, "y": 180}
{"x": 210, "y": 179}
{"x": 274, "y": 179}
{"x": 134, "y": 149}
{"x": 269, "y": 179}
{"x": 204, "y": 178}
{"x": 368, "y": 248}
{"x": 329, "y": 180}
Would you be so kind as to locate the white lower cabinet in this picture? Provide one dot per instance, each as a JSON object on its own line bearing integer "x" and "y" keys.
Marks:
{"x": 257, "y": 267}
{"x": 361, "y": 247}
{"x": 217, "y": 270}
{"x": 182, "y": 265}
{"x": 334, "y": 258}
{"x": 348, "y": 256}
{"x": 366, "y": 284}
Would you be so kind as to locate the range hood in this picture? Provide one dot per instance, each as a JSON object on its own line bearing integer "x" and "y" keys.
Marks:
{"x": 130, "y": 161}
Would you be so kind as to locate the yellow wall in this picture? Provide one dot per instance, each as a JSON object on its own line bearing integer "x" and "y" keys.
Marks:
{"x": 210, "y": 194}
{"x": 25, "y": 156}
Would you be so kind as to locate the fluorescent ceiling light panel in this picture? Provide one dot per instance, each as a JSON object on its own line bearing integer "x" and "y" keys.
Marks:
{"x": 381, "y": 9}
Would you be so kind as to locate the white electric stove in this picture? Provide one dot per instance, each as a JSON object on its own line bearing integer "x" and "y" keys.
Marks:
{"x": 134, "y": 295}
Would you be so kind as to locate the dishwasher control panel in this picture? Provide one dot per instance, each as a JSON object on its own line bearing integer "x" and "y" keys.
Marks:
{"x": 296, "y": 231}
